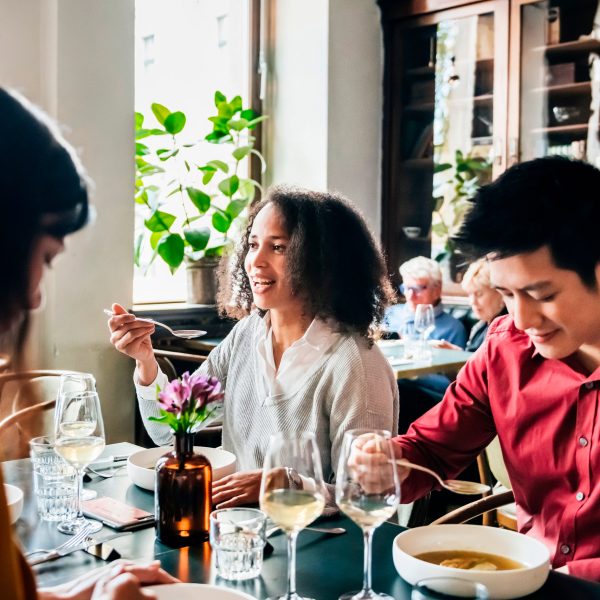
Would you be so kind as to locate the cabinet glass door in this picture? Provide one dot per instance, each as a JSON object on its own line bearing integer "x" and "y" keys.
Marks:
{"x": 448, "y": 123}
{"x": 559, "y": 80}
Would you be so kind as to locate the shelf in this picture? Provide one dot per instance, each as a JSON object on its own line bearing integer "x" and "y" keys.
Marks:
{"x": 563, "y": 129}
{"x": 566, "y": 48}
{"x": 568, "y": 89}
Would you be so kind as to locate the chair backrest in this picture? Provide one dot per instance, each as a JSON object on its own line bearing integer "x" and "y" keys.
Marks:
{"x": 476, "y": 508}
{"x": 26, "y": 402}
{"x": 496, "y": 463}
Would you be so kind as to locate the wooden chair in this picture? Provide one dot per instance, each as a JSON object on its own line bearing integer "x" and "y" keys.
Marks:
{"x": 24, "y": 397}
{"x": 5, "y": 362}
{"x": 476, "y": 508}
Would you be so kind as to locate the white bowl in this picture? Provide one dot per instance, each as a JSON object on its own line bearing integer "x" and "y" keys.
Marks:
{"x": 501, "y": 584}
{"x": 140, "y": 465}
{"x": 14, "y": 500}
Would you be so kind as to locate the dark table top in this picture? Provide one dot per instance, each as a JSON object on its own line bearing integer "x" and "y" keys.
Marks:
{"x": 327, "y": 566}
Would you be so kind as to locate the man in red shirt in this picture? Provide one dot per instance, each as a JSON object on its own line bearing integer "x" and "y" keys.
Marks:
{"x": 535, "y": 382}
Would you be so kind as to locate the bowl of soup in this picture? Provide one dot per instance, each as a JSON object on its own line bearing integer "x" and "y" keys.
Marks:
{"x": 14, "y": 500}
{"x": 141, "y": 465}
{"x": 509, "y": 564}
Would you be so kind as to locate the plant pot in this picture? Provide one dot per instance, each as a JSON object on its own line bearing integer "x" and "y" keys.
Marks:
{"x": 202, "y": 280}
{"x": 183, "y": 498}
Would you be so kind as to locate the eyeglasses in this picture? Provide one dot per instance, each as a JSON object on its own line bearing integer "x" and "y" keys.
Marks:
{"x": 415, "y": 289}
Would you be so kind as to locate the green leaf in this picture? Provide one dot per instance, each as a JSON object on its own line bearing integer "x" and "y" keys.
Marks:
{"x": 209, "y": 173}
{"x": 229, "y": 186}
{"x": 165, "y": 154}
{"x": 241, "y": 152}
{"x": 248, "y": 114}
{"x": 439, "y": 229}
{"x": 252, "y": 124}
{"x": 175, "y": 122}
{"x": 215, "y": 136}
{"x": 247, "y": 189}
{"x": 159, "y": 221}
{"x": 439, "y": 168}
{"x": 139, "y": 120}
{"x": 200, "y": 200}
{"x": 219, "y": 97}
{"x": 197, "y": 238}
{"x": 170, "y": 249}
{"x": 155, "y": 237}
{"x": 221, "y": 221}
{"x": 137, "y": 249}
{"x": 141, "y": 149}
{"x": 225, "y": 110}
{"x": 160, "y": 112}
{"x": 237, "y": 124}
{"x": 235, "y": 207}
{"x": 218, "y": 164}
{"x": 438, "y": 203}
{"x": 141, "y": 197}
{"x": 236, "y": 104}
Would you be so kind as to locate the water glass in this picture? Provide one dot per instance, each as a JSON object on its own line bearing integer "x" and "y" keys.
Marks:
{"x": 412, "y": 342}
{"x": 237, "y": 535}
{"x": 448, "y": 588}
{"x": 54, "y": 481}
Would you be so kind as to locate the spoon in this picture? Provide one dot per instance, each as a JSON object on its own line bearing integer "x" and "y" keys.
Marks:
{"x": 328, "y": 530}
{"x": 458, "y": 486}
{"x": 187, "y": 334}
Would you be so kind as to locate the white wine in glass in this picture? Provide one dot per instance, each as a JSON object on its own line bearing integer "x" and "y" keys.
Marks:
{"x": 292, "y": 492}
{"x": 368, "y": 491}
{"x": 79, "y": 433}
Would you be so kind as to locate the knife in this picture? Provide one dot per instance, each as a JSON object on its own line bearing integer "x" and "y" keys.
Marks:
{"x": 54, "y": 554}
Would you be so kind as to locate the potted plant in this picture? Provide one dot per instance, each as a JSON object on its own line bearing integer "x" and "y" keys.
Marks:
{"x": 191, "y": 206}
{"x": 451, "y": 201}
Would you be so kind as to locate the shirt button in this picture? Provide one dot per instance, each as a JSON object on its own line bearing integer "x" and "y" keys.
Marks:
{"x": 589, "y": 385}
{"x": 580, "y": 496}
{"x": 583, "y": 441}
{"x": 565, "y": 549}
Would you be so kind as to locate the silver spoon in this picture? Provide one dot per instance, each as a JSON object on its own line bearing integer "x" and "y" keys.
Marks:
{"x": 187, "y": 334}
{"x": 458, "y": 486}
{"x": 328, "y": 530}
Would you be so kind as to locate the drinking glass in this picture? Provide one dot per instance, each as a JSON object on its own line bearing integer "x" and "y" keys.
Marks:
{"x": 292, "y": 492}
{"x": 424, "y": 320}
{"x": 73, "y": 382}
{"x": 368, "y": 491}
{"x": 446, "y": 588}
{"x": 79, "y": 439}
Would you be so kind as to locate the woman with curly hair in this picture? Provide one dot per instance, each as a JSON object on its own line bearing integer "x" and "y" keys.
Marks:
{"x": 308, "y": 284}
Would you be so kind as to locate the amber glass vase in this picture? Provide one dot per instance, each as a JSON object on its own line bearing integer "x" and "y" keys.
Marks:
{"x": 183, "y": 494}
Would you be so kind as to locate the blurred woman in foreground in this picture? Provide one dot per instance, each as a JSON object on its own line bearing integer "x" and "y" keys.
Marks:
{"x": 43, "y": 196}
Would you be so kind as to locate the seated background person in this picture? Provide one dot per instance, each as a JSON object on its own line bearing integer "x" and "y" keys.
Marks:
{"x": 422, "y": 284}
{"x": 486, "y": 303}
{"x": 535, "y": 381}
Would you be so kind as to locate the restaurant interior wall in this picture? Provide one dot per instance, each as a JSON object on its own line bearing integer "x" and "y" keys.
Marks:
{"x": 75, "y": 59}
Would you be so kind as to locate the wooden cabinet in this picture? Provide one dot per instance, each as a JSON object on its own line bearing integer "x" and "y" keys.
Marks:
{"x": 471, "y": 88}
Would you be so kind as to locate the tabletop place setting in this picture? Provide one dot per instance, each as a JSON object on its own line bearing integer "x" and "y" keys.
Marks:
{"x": 239, "y": 543}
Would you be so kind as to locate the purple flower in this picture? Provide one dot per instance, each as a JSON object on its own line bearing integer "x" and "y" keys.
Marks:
{"x": 175, "y": 397}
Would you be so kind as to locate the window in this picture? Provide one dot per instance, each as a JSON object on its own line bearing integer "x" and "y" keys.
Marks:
{"x": 181, "y": 59}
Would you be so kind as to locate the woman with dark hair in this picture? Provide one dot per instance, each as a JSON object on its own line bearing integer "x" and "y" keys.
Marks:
{"x": 309, "y": 285}
{"x": 43, "y": 197}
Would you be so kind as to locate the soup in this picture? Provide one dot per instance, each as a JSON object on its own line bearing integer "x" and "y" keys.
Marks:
{"x": 469, "y": 559}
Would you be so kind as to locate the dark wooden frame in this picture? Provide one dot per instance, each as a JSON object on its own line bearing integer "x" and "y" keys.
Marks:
{"x": 255, "y": 101}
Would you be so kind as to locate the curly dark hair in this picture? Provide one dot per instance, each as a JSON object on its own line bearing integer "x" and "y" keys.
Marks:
{"x": 333, "y": 262}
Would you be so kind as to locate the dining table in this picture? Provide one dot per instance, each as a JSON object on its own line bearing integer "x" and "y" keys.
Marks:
{"x": 442, "y": 360}
{"x": 327, "y": 565}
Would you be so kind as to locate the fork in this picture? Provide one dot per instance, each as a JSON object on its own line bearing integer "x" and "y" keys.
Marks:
{"x": 114, "y": 471}
{"x": 79, "y": 537}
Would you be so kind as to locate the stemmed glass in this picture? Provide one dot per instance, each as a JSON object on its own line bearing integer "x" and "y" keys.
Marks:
{"x": 79, "y": 439}
{"x": 292, "y": 492}
{"x": 424, "y": 325}
{"x": 367, "y": 490}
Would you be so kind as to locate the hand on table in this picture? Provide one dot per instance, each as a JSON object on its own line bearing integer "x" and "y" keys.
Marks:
{"x": 237, "y": 489}
{"x": 131, "y": 336}
{"x": 444, "y": 344}
{"x": 121, "y": 580}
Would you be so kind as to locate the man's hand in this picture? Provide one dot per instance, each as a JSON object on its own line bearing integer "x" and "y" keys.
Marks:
{"x": 237, "y": 489}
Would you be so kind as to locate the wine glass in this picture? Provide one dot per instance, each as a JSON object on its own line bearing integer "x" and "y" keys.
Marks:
{"x": 292, "y": 492}
{"x": 424, "y": 320}
{"x": 76, "y": 382}
{"x": 367, "y": 490}
{"x": 79, "y": 439}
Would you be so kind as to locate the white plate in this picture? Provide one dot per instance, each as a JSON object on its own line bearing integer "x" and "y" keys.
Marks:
{"x": 196, "y": 591}
{"x": 14, "y": 499}
{"x": 140, "y": 465}
{"x": 501, "y": 584}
